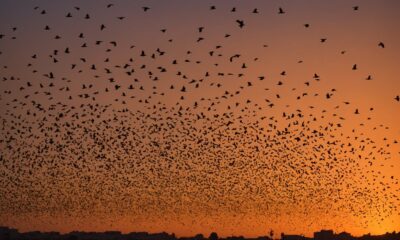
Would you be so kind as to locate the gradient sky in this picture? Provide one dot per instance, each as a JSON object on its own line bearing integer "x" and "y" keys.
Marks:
{"x": 217, "y": 156}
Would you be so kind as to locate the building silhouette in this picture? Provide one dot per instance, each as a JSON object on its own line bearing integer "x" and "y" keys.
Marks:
{"x": 324, "y": 235}
{"x": 13, "y": 234}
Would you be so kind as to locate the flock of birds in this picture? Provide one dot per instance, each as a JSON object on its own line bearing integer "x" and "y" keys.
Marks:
{"x": 147, "y": 137}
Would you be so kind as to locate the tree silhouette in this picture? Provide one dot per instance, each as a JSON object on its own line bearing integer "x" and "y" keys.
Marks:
{"x": 199, "y": 236}
{"x": 213, "y": 236}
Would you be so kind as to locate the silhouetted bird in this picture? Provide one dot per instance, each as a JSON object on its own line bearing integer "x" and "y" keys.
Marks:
{"x": 240, "y": 23}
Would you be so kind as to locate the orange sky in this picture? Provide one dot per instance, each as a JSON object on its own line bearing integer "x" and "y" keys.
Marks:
{"x": 220, "y": 159}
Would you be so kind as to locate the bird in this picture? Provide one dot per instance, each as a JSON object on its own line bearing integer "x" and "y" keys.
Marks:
{"x": 240, "y": 23}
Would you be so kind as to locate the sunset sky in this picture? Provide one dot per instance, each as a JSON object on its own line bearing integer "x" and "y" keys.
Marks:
{"x": 196, "y": 116}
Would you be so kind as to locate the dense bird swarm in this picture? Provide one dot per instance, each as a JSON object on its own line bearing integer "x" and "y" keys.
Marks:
{"x": 101, "y": 126}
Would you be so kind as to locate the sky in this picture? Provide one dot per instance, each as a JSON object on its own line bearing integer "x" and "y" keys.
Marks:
{"x": 196, "y": 116}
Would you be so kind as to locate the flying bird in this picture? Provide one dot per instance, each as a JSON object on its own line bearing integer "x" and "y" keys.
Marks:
{"x": 240, "y": 23}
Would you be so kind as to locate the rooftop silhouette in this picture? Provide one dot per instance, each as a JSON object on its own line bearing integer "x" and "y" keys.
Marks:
{"x": 7, "y": 233}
